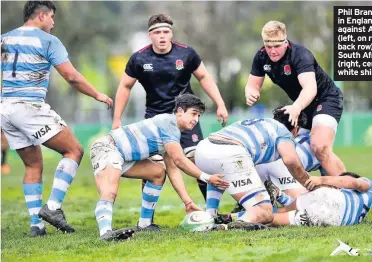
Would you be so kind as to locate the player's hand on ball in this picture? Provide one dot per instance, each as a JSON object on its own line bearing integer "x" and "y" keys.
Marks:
{"x": 116, "y": 123}
{"x": 105, "y": 99}
{"x": 251, "y": 96}
{"x": 313, "y": 182}
{"x": 191, "y": 207}
{"x": 217, "y": 181}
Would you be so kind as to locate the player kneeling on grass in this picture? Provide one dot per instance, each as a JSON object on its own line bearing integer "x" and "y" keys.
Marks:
{"x": 126, "y": 151}
{"x": 346, "y": 204}
{"x": 235, "y": 150}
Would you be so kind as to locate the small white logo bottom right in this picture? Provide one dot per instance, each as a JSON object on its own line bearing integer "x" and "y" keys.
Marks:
{"x": 345, "y": 248}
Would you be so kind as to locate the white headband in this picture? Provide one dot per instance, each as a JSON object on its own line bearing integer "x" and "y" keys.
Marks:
{"x": 159, "y": 25}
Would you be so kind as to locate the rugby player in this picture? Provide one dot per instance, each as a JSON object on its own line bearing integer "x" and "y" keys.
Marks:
{"x": 164, "y": 69}
{"x": 126, "y": 152}
{"x": 28, "y": 122}
{"x": 294, "y": 69}
{"x": 236, "y": 149}
{"x": 347, "y": 203}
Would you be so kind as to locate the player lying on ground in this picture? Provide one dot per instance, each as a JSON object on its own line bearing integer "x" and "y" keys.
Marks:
{"x": 236, "y": 149}
{"x": 27, "y": 54}
{"x": 126, "y": 151}
{"x": 347, "y": 204}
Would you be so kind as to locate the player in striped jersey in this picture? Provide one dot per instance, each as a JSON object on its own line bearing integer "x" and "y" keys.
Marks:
{"x": 346, "y": 204}
{"x": 126, "y": 152}
{"x": 236, "y": 149}
{"x": 279, "y": 175}
{"x": 28, "y": 52}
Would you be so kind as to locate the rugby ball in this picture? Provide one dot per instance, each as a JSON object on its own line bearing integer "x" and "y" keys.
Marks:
{"x": 197, "y": 221}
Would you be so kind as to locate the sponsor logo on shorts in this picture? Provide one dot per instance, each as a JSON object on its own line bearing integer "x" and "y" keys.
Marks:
{"x": 287, "y": 70}
{"x": 41, "y": 132}
{"x": 304, "y": 219}
{"x": 179, "y": 64}
{"x": 319, "y": 107}
{"x": 242, "y": 182}
{"x": 287, "y": 180}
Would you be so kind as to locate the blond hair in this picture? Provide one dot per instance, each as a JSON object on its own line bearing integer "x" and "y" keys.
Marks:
{"x": 273, "y": 29}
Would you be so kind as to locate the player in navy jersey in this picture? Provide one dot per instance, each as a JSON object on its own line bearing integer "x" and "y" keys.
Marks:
{"x": 28, "y": 52}
{"x": 236, "y": 149}
{"x": 294, "y": 69}
{"x": 126, "y": 152}
{"x": 342, "y": 200}
{"x": 164, "y": 69}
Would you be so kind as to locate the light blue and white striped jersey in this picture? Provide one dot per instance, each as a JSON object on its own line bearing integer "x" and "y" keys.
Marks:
{"x": 357, "y": 205}
{"x": 28, "y": 55}
{"x": 146, "y": 138}
{"x": 260, "y": 136}
{"x": 306, "y": 155}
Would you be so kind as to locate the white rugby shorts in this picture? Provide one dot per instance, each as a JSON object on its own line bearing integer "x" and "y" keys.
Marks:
{"x": 28, "y": 123}
{"x": 104, "y": 153}
{"x": 233, "y": 161}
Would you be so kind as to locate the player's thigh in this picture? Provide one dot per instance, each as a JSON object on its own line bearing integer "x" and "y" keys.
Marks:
{"x": 145, "y": 169}
{"x": 38, "y": 122}
{"x": 104, "y": 154}
{"x": 31, "y": 156}
{"x": 10, "y": 133}
{"x": 64, "y": 142}
{"x": 326, "y": 118}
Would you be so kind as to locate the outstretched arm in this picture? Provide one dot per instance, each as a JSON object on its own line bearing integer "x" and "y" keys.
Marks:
{"x": 79, "y": 82}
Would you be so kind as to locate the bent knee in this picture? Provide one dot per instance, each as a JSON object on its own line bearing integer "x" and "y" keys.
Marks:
{"x": 159, "y": 177}
{"x": 77, "y": 152}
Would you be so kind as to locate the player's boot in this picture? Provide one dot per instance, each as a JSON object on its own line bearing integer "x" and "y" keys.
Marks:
{"x": 151, "y": 227}
{"x": 117, "y": 235}
{"x": 246, "y": 226}
{"x": 56, "y": 218}
{"x": 223, "y": 219}
{"x": 237, "y": 208}
{"x": 36, "y": 231}
{"x": 273, "y": 191}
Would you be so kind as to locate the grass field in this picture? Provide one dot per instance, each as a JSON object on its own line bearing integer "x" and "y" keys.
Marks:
{"x": 282, "y": 244}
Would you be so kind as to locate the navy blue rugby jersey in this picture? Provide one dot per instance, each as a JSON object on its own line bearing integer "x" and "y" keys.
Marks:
{"x": 163, "y": 76}
{"x": 284, "y": 73}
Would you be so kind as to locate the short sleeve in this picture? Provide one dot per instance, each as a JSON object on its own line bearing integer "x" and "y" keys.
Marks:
{"x": 257, "y": 66}
{"x": 56, "y": 53}
{"x": 130, "y": 69}
{"x": 304, "y": 61}
{"x": 194, "y": 60}
{"x": 168, "y": 129}
{"x": 284, "y": 135}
